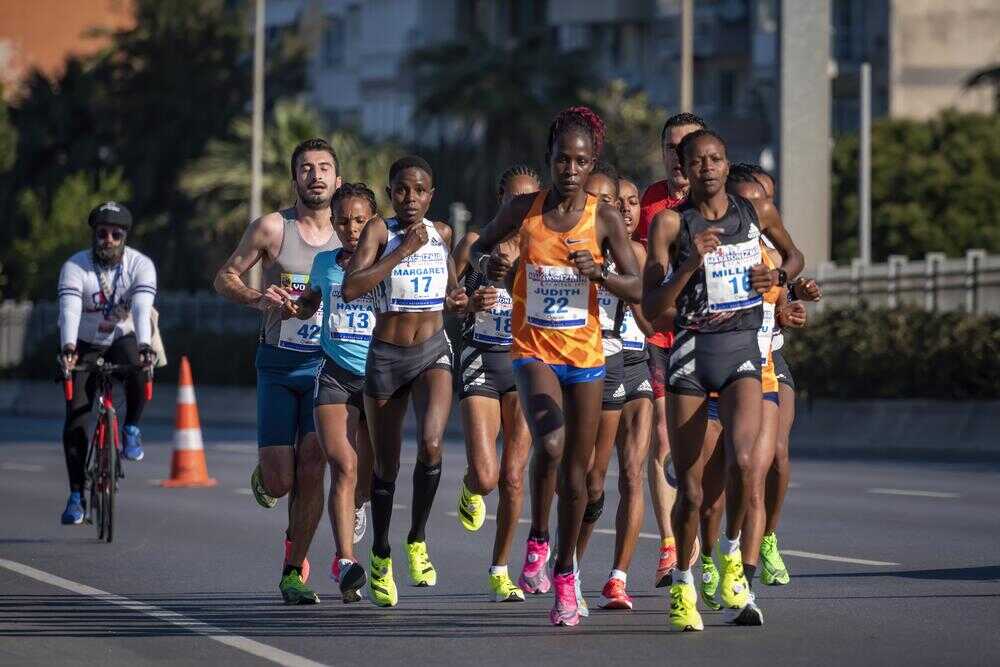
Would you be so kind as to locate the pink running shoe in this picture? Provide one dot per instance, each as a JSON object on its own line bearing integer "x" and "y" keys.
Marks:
{"x": 335, "y": 568}
{"x": 565, "y": 611}
{"x": 305, "y": 561}
{"x": 534, "y": 579}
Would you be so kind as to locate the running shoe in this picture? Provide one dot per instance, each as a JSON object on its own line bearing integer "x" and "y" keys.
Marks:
{"x": 684, "y": 616}
{"x": 581, "y": 602}
{"x": 471, "y": 509}
{"x": 733, "y": 588}
{"x": 305, "y": 561}
{"x": 360, "y": 522}
{"x": 335, "y": 568}
{"x": 75, "y": 509}
{"x": 352, "y": 579}
{"x": 381, "y": 586}
{"x": 709, "y": 583}
{"x": 613, "y": 595}
{"x": 502, "y": 589}
{"x": 565, "y": 611}
{"x": 132, "y": 449}
{"x": 750, "y": 614}
{"x": 295, "y": 591}
{"x": 668, "y": 561}
{"x": 534, "y": 579}
{"x": 422, "y": 572}
{"x": 772, "y": 568}
{"x": 259, "y": 492}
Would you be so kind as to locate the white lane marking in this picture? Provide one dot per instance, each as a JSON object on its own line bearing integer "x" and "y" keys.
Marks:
{"x": 244, "y": 492}
{"x": 800, "y": 554}
{"x": 22, "y": 467}
{"x": 911, "y": 492}
{"x": 835, "y": 559}
{"x": 212, "y": 632}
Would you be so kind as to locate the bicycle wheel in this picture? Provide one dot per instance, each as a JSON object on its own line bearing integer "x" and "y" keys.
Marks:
{"x": 97, "y": 477}
{"x": 110, "y": 475}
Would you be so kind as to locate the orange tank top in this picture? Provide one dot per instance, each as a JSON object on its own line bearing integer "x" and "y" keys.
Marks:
{"x": 769, "y": 380}
{"x": 555, "y": 316}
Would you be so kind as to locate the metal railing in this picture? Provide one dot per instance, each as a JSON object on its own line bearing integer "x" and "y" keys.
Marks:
{"x": 970, "y": 284}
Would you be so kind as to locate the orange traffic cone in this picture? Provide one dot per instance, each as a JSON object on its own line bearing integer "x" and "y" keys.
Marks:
{"x": 188, "y": 465}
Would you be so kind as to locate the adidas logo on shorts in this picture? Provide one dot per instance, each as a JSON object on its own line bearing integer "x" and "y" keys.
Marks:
{"x": 746, "y": 367}
{"x": 645, "y": 386}
{"x": 620, "y": 391}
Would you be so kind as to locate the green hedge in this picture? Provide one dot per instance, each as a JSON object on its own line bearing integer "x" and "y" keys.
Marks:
{"x": 904, "y": 353}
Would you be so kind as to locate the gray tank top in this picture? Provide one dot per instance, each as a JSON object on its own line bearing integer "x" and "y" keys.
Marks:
{"x": 290, "y": 269}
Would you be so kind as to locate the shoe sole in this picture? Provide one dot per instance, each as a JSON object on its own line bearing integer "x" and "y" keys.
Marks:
{"x": 565, "y": 622}
{"x": 664, "y": 581}
{"x": 750, "y": 616}
{"x": 607, "y": 603}
{"x": 295, "y": 600}
{"x": 687, "y": 628}
{"x": 351, "y": 583}
{"x": 75, "y": 522}
{"x": 513, "y": 597}
{"x": 543, "y": 587}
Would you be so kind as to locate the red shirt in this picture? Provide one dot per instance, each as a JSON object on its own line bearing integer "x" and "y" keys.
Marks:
{"x": 656, "y": 198}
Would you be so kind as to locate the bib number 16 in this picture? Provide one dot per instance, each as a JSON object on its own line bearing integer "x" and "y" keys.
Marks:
{"x": 735, "y": 283}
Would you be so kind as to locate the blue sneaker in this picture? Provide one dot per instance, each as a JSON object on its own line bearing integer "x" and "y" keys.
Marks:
{"x": 133, "y": 443}
{"x": 73, "y": 513}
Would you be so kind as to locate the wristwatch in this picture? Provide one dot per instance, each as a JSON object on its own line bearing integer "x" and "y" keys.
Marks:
{"x": 782, "y": 277}
{"x": 605, "y": 272}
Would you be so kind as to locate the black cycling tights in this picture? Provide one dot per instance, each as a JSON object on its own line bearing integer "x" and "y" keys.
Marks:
{"x": 76, "y": 431}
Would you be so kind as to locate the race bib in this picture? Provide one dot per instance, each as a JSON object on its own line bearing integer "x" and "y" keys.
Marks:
{"x": 727, "y": 276}
{"x": 766, "y": 331}
{"x": 352, "y": 321}
{"x": 296, "y": 334}
{"x": 558, "y": 297}
{"x": 607, "y": 305}
{"x": 493, "y": 326}
{"x": 420, "y": 282}
{"x": 632, "y": 336}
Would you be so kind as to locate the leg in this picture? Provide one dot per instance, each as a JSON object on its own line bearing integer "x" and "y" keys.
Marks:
{"x": 125, "y": 350}
{"x": 431, "y": 406}
{"x": 713, "y": 487}
{"x": 661, "y": 493}
{"x": 385, "y": 428}
{"x": 481, "y": 423}
{"x": 516, "y": 449}
{"x": 739, "y": 411}
{"x": 75, "y": 429}
{"x": 633, "y": 447}
{"x": 687, "y": 424}
{"x": 363, "y": 447}
{"x": 761, "y": 458}
{"x": 780, "y": 473}
{"x": 606, "y": 430}
{"x": 336, "y": 425}
{"x": 542, "y": 404}
{"x": 307, "y": 510}
{"x": 581, "y": 401}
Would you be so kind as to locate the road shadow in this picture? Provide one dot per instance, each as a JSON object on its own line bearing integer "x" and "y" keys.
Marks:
{"x": 977, "y": 573}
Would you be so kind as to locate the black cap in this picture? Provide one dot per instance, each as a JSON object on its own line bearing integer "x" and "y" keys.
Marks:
{"x": 111, "y": 213}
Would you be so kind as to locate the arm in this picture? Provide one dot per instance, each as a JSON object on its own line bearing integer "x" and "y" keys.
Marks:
{"x": 70, "y": 304}
{"x": 460, "y": 255}
{"x": 644, "y": 325}
{"x": 308, "y": 303}
{"x": 771, "y": 225}
{"x": 507, "y": 221}
{"x": 257, "y": 242}
{"x": 364, "y": 273}
{"x": 659, "y": 295}
{"x": 625, "y": 282}
{"x": 143, "y": 293}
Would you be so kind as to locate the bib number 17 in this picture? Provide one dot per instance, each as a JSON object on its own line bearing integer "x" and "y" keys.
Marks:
{"x": 416, "y": 284}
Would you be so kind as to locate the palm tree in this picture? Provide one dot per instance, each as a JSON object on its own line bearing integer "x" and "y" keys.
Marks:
{"x": 491, "y": 104}
{"x": 988, "y": 76}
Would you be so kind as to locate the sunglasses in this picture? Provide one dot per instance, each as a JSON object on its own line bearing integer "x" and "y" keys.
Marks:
{"x": 115, "y": 234}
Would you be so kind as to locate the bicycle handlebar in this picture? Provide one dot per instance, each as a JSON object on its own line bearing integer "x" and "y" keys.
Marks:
{"x": 103, "y": 368}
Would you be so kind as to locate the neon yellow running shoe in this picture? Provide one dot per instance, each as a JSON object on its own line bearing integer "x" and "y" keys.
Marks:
{"x": 381, "y": 585}
{"x": 422, "y": 572}
{"x": 733, "y": 589}
{"x": 502, "y": 589}
{"x": 294, "y": 591}
{"x": 772, "y": 569}
{"x": 260, "y": 494}
{"x": 709, "y": 583}
{"x": 471, "y": 509}
{"x": 684, "y": 616}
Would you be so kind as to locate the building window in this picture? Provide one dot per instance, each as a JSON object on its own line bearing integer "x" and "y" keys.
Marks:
{"x": 332, "y": 51}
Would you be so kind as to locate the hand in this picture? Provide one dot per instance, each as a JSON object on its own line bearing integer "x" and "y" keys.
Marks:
{"x": 414, "y": 238}
{"x": 807, "y": 290}
{"x": 762, "y": 278}
{"x": 792, "y": 315}
{"x": 498, "y": 265}
{"x": 703, "y": 243}
{"x": 273, "y": 298}
{"x": 484, "y": 298}
{"x": 457, "y": 300}
{"x": 68, "y": 358}
{"x": 147, "y": 356}
{"x": 586, "y": 265}
{"x": 290, "y": 309}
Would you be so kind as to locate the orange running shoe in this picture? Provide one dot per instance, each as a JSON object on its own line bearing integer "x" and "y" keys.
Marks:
{"x": 305, "y": 561}
{"x": 613, "y": 595}
{"x": 668, "y": 561}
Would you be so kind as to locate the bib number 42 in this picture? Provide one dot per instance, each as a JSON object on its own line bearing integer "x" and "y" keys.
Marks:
{"x": 308, "y": 331}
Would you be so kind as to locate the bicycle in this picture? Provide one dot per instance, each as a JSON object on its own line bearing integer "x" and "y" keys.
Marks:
{"x": 103, "y": 466}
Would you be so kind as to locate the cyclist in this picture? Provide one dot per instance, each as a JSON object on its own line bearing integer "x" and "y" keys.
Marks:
{"x": 105, "y": 310}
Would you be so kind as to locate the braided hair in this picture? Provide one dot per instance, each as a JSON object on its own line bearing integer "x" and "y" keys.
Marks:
{"x": 351, "y": 190}
{"x": 579, "y": 118}
{"x": 519, "y": 169}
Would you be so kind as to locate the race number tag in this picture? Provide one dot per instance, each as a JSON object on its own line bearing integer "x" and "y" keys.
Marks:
{"x": 493, "y": 326}
{"x": 607, "y": 305}
{"x": 420, "y": 281}
{"x": 766, "y": 331}
{"x": 632, "y": 336}
{"x": 727, "y": 275}
{"x": 296, "y": 334}
{"x": 352, "y": 321}
{"x": 558, "y": 297}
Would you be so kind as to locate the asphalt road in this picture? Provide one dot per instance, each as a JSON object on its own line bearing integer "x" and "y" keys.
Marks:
{"x": 891, "y": 563}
